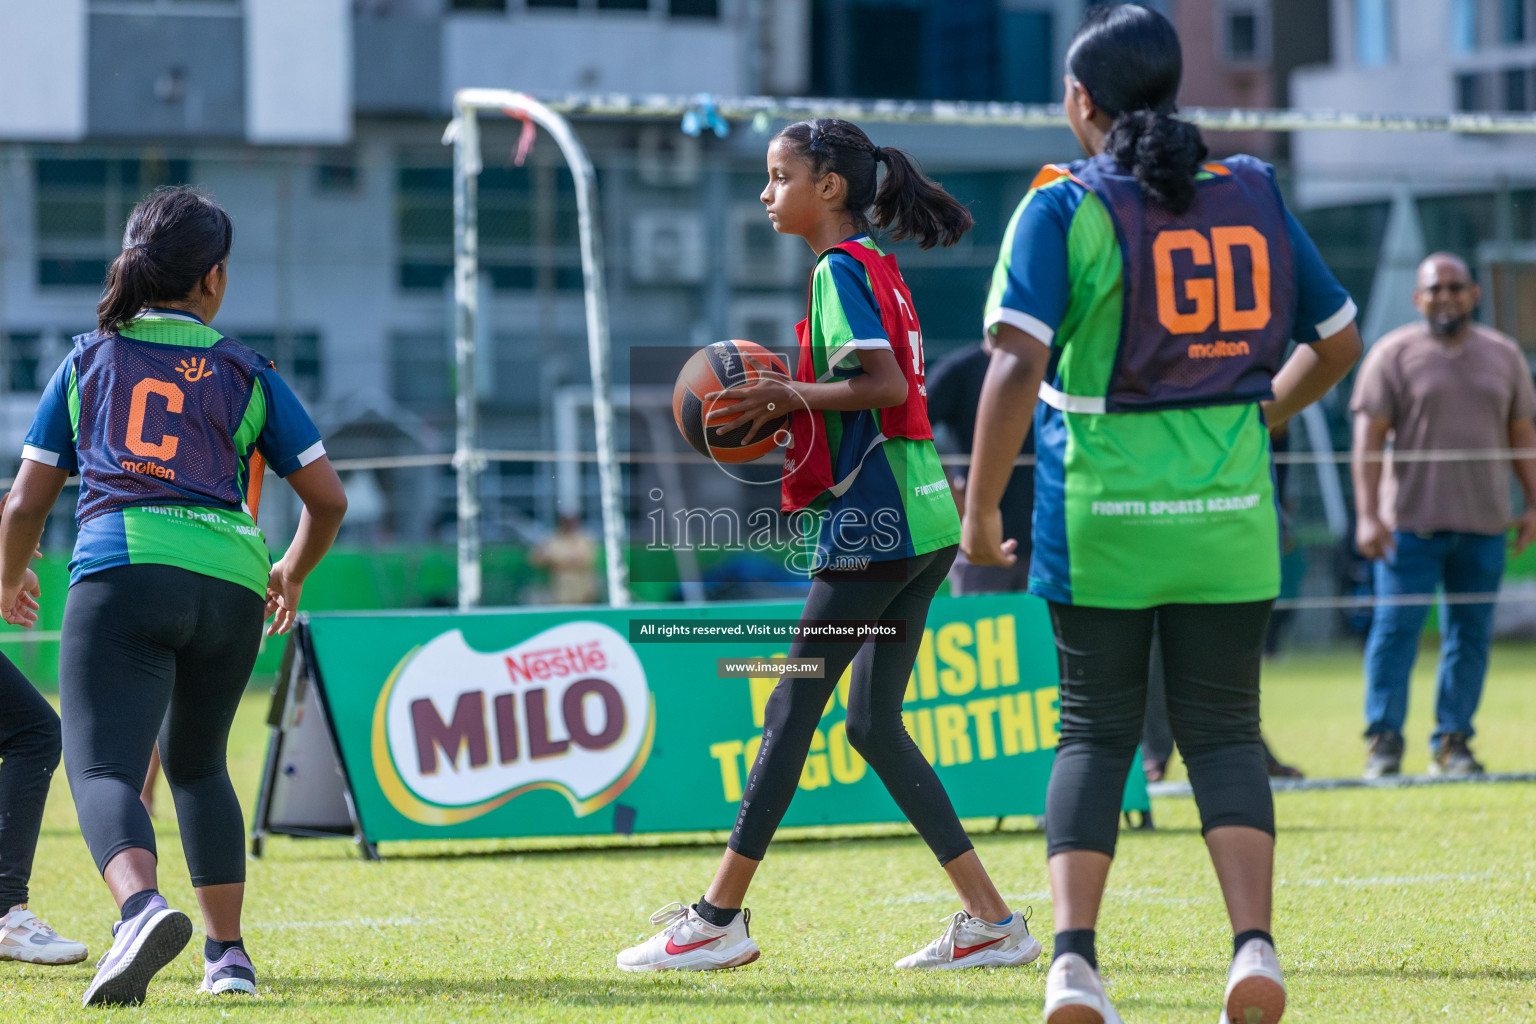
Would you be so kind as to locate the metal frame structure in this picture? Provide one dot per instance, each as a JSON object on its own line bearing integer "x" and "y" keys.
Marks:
{"x": 703, "y": 110}
{"x": 468, "y": 460}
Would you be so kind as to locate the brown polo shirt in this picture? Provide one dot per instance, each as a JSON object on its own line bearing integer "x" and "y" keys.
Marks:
{"x": 1438, "y": 397}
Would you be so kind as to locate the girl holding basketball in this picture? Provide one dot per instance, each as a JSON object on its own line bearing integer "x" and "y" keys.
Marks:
{"x": 1149, "y": 298}
{"x": 880, "y": 533}
{"x": 160, "y": 415}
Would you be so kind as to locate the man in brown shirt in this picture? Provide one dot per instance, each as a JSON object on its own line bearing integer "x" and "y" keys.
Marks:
{"x": 1442, "y": 385}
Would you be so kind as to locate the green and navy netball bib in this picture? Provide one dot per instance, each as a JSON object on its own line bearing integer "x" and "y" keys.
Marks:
{"x": 867, "y": 484}
{"x": 1154, "y": 481}
{"x": 160, "y": 421}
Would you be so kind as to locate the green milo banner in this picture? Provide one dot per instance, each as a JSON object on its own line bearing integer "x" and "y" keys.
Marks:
{"x": 587, "y": 721}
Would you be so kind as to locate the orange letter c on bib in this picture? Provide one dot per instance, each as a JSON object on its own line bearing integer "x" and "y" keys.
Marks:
{"x": 1200, "y": 291}
{"x": 166, "y": 449}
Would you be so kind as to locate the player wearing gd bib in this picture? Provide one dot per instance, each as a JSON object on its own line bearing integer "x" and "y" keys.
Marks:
{"x": 160, "y": 415}
{"x": 863, "y": 472}
{"x": 1149, "y": 298}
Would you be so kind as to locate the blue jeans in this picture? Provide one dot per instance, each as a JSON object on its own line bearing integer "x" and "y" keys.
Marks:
{"x": 1466, "y": 563}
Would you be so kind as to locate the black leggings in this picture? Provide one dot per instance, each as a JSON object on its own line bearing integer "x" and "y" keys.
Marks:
{"x": 29, "y": 753}
{"x": 147, "y": 650}
{"x": 879, "y": 682}
{"x": 1211, "y": 655}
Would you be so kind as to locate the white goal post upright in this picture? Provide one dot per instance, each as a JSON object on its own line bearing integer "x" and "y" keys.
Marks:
{"x": 469, "y": 460}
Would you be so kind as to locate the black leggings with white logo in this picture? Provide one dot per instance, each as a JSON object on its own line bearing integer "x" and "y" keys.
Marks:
{"x": 155, "y": 650}
{"x": 875, "y": 729}
{"x": 1211, "y": 660}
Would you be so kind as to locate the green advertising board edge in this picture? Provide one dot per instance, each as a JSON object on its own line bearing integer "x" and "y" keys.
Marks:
{"x": 981, "y": 705}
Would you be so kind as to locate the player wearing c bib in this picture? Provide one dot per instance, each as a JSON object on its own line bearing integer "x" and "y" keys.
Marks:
{"x": 880, "y": 534}
{"x": 160, "y": 415}
{"x": 1149, "y": 298}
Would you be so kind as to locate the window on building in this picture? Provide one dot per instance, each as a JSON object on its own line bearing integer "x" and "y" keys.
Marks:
{"x": 21, "y": 353}
{"x": 694, "y": 8}
{"x": 1516, "y": 90}
{"x": 81, "y": 208}
{"x": 1026, "y": 70}
{"x": 1464, "y": 25}
{"x": 420, "y": 378}
{"x": 572, "y": 4}
{"x": 1470, "y": 91}
{"x": 338, "y": 174}
{"x": 297, "y": 355}
{"x": 1512, "y": 25}
{"x": 1373, "y": 33}
{"x": 526, "y": 220}
{"x": 1242, "y": 35}
{"x": 623, "y": 5}
{"x": 478, "y": 5}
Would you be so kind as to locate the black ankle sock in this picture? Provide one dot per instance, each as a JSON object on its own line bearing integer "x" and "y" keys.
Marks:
{"x": 213, "y": 948}
{"x": 720, "y": 917}
{"x": 1241, "y": 938}
{"x": 134, "y": 905}
{"x": 1079, "y": 941}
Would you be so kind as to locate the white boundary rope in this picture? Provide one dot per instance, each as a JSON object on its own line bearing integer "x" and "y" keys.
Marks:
{"x": 659, "y": 106}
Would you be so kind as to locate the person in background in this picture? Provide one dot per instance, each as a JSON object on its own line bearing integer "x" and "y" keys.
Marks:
{"x": 569, "y": 555}
{"x": 1441, "y": 383}
{"x": 160, "y": 416}
{"x": 954, "y": 390}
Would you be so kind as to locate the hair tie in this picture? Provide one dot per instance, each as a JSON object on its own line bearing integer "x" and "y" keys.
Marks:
{"x": 815, "y": 145}
{"x": 878, "y": 154}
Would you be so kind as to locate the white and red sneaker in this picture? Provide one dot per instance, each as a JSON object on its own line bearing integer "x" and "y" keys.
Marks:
{"x": 1255, "y": 986}
{"x": 687, "y": 942}
{"x": 1074, "y": 993}
{"x": 26, "y": 937}
{"x": 971, "y": 942}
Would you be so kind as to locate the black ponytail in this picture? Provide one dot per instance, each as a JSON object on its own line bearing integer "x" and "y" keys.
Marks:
{"x": 173, "y": 238}
{"x": 1162, "y": 152}
{"x": 1130, "y": 61}
{"x": 906, "y": 203}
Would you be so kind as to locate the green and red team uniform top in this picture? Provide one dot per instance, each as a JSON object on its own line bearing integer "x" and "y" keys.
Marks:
{"x": 1154, "y": 482}
{"x": 160, "y": 421}
{"x": 872, "y": 476}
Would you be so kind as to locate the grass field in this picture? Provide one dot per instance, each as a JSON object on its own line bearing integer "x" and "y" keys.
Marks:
{"x": 1392, "y": 906}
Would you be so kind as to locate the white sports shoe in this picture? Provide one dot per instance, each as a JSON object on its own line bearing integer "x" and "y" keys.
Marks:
{"x": 1075, "y": 995}
{"x": 971, "y": 942}
{"x": 687, "y": 942}
{"x": 1255, "y": 986}
{"x": 27, "y": 937}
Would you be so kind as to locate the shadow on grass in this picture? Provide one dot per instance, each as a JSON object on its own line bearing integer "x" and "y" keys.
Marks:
{"x": 633, "y": 991}
{"x": 1420, "y": 973}
{"x": 716, "y": 841}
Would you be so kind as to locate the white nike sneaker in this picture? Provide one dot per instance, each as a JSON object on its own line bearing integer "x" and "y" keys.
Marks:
{"x": 1074, "y": 994}
{"x": 971, "y": 942}
{"x": 687, "y": 942}
{"x": 1255, "y": 986}
{"x": 25, "y": 936}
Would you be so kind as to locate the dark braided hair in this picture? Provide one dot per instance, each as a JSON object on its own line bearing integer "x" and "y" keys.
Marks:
{"x": 173, "y": 238}
{"x": 906, "y": 203}
{"x": 1130, "y": 61}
